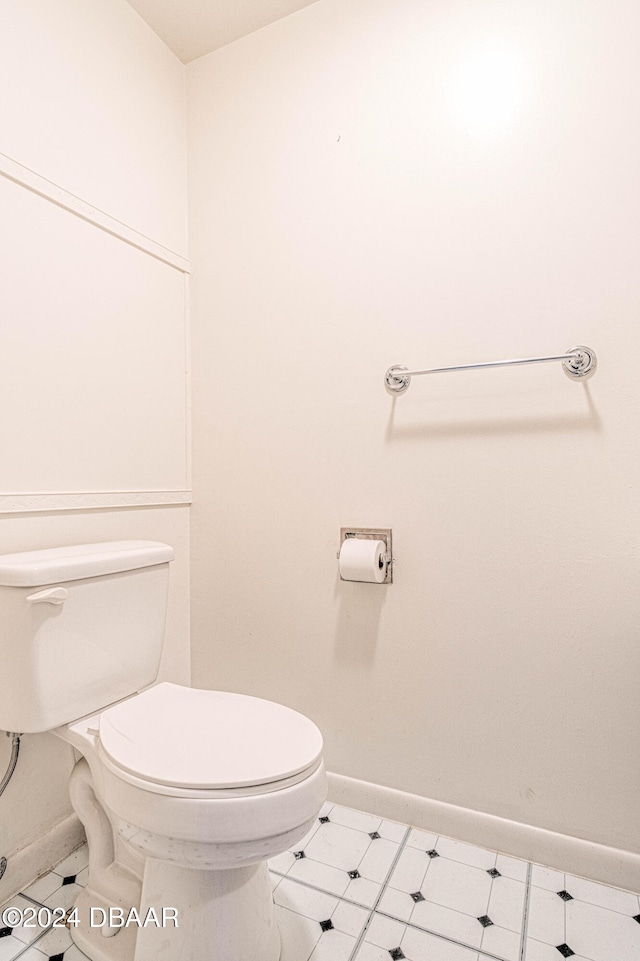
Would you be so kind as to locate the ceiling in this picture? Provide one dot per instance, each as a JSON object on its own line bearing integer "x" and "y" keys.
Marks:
{"x": 192, "y": 28}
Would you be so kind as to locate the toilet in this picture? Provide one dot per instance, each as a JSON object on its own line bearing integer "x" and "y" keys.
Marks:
{"x": 184, "y": 794}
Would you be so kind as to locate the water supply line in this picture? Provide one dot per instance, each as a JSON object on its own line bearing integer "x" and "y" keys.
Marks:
{"x": 13, "y": 760}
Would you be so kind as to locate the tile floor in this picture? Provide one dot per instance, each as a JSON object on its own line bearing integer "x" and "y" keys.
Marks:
{"x": 359, "y": 888}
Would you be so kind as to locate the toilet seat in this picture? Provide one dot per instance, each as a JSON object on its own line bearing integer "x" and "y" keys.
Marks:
{"x": 185, "y": 740}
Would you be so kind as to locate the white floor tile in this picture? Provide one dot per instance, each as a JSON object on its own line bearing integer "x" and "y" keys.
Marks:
{"x": 315, "y": 926}
{"x": 466, "y": 853}
{"x": 55, "y": 941}
{"x": 458, "y": 886}
{"x": 312, "y": 904}
{"x": 31, "y": 954}
{"x": 419, "y": 946}
{"x": 333, "y": 946}
{"x": 65, "y": 897}
{"x": 321, "y": 907}
{"x": 393, "y": 831}
{"x": 358, "y": 820}
{"x": 74, "y": 863}
{"x": 377, "y": 860}
{"x": 410, "y": 871}
{"x": 448, "y": 923}
{"x": 384, "y": 938}
{"x": 10, "y": 947}
{"x": 600, "y": 894}
{"x": 282, "y": 862}
{"x": 362, "y": 891}
{"x": 319, "y": 875}
{"x": 421, "y": 839}
{"x": 583, "y": 890}
{"x": 369, "y": 952}
{"x": 601, "y": 934}
{"x": 336, "y": 852}
{"x": 511, "y": 867}
{"x": 12, "y": 915}
{"x": 397, "y": 904}
{"x": 384, "y": 932}
{"x": 547, "y": 878}
{"x": 338, "y": 846}
{"x": 43, "y": 887}
{"x": 502, "y": 943}
{"x": 587, "y": 929}
{"x": 539, "y": 951}
{"x": 506, "y": 903}
{"x": 546, "y": 916}
{"x": 349, "y": 918}
{"x": 448, "y": 897}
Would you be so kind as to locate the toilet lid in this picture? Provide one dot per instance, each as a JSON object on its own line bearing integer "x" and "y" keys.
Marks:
{"x": 190, "y": 738}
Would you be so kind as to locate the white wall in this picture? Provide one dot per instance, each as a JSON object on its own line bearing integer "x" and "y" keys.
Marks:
{"x": 358, "y": 198}
{"x": 93, "y": 388}
{"x": 98, "y": 356}
{"x": 97, "y": 107}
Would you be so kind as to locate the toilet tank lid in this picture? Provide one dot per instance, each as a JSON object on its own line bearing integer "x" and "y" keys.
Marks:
{"x": 57, "y": 564}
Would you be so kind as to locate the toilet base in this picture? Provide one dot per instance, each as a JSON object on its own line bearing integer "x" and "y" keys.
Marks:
{"x": 91, "y": 940}
{"x": 220, "y": 915}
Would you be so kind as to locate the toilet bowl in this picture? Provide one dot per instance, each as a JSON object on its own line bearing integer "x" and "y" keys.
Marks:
{"x": 184, "y": 793}
{"x": 201, "y": 787}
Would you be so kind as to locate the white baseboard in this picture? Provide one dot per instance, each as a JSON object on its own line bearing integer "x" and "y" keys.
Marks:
{"x": 40, "y": 856}
{"x": 568, "y": 854}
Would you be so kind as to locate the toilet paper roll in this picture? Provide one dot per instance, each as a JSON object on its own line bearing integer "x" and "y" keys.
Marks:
{"x": 362, "y": 559}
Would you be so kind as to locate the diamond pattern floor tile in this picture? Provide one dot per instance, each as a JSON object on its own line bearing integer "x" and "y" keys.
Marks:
{"x": 574, "y": 918}
{"x": 15, "y": 936}
{"x": 360, "y": 888}
{"x": 387, "y": 939}
{"x": 463, "y": 894}
{"x": 315, "y": 926}
{"x": 347, "y": 853}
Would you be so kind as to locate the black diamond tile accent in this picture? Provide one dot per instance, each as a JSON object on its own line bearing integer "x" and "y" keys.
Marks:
{"x": 324, "y": 820}
{"x": 374, "y": 835}
{"x": 485, "y": 921}
{"x": 70, "y": 879}
{"x": 433, "y": 853}
{"x": 298, "y": 855}
{"x": 326, "y": 925}
{"x": 564, "y": 895}
{"x": 5, "y": 932}
{"x": 417, "y": 896}
{"x": 354, "y": 874}
{"x": 57, "y": 957}
{"x": 564, "y": 950}
{"x": 396, "y": 954}
{"x": 494, "y": 873}
{"x": 636, "y": 917}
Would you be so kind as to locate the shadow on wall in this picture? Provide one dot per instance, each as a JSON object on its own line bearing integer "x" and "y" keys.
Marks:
{"x": 358, "y": 621}
{"x": 588, "y": 421}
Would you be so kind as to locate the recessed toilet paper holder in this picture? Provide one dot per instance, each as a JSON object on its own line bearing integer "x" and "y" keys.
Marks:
{"x": 372, "y": 534}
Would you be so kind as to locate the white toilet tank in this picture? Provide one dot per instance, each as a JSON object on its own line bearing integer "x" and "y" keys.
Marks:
{"x": 80, "y": 628}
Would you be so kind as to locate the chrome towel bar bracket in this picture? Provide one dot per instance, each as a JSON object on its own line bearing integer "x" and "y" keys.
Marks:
{"x": 579, "y": 363}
